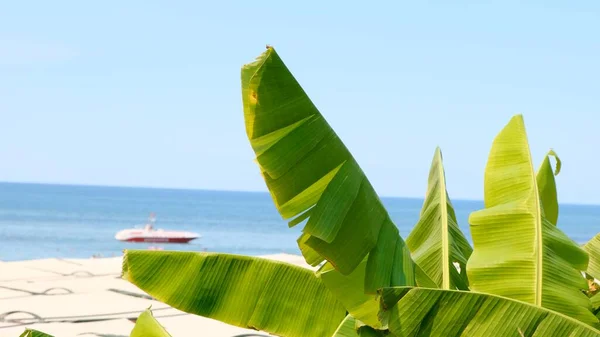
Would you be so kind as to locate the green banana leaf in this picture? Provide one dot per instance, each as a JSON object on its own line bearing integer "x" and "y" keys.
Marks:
{"x": 34, "y": 333}
{"x": 592, "y": 247}
{"x": 350, "y": 327}
{"x": 347, "y": 328}
{"x": 312, "y": 176}
{"x": 412, "y": 312}
{"x": 348, "y": 289}
{"x": 547, "y": 187}
{"x": 518, "y": 253}
{"x": 436, "y": 241}
{"x": 249, "y": 292}
{"x": 147, "y": 326}
{"x": 595, "y": 303}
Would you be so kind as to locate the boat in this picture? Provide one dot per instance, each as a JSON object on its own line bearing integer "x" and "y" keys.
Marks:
{"x": 149, "y": 234}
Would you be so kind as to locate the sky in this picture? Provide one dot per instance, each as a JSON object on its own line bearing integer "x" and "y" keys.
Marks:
{"x": 147, "y": 93}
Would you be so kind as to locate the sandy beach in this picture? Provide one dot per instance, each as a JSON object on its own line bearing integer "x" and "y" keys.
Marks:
{"x": 87, "y": 297}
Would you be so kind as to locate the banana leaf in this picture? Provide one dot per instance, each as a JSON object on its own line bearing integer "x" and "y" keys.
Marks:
{"x": 350, "y": 327}
{"x": 34, "y": 333}
{"x": 347, "y": 328}
{"x": 412, "y": 312}
{"x": 147, "y": 326}
{"x": 249, "y": 292}
{"x": 436, "y": 242}
{"x": 592, "y": 247}
{"x": 595, "y": 302}
{"x": 547, "y": 187}
{"x": 312, "y": 176}
{"x": 517, "y": 252}
{"x": 348, "y": 289}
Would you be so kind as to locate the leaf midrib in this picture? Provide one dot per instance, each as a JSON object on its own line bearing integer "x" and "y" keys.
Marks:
{"x": 539, "y": 244}
{"x": 444, "y": 215}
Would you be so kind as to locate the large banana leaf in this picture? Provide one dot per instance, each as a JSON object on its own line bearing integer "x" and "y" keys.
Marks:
{"x": 412, "y": 312}
{"x": 436, "y": 241}
{"x": 34, "y": 333}
{"x": 517, "y": 253}
{"x": 147, "y": 326}
{"x": 547, "y": 187}
{"x": 312, "y": 176}
{"x": 592, "y": 247}
{"x": 248, "y": 292}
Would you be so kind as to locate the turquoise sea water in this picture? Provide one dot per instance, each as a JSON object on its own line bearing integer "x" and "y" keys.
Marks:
{"x": 40, "y": 221}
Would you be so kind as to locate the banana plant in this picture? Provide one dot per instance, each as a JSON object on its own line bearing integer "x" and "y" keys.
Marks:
{"x": 436, "y": 242}
{"x": 521, "y": 257}
{"x": 523, "y": 272}
{"x": 517, "y": 252}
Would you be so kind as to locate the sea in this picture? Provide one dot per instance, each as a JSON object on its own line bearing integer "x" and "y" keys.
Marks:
{"x": 69, "y": 221}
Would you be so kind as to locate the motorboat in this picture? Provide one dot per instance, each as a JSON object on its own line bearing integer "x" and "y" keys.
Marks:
{"x": 148, "y": 234}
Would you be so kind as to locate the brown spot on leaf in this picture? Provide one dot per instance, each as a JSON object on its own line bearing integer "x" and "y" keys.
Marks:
{"x": 253, "y": 97}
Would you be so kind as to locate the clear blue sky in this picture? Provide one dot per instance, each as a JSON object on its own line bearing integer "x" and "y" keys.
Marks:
{"x": 138, "y": 93}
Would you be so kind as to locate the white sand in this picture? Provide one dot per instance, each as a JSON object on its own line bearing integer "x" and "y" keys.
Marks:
{"x": 89, "y": 288}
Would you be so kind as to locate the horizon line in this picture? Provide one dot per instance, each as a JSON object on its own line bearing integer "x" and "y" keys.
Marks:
{"x": 228, "y": 190}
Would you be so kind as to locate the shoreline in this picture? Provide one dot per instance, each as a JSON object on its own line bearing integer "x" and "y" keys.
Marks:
{"x": 100, "y": 257}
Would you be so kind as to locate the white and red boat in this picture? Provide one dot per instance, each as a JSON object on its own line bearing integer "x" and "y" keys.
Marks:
{"x": 149, "y": 234}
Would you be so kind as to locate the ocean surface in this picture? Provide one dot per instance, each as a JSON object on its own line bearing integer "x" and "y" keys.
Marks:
{"x": 63, "y": 221}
